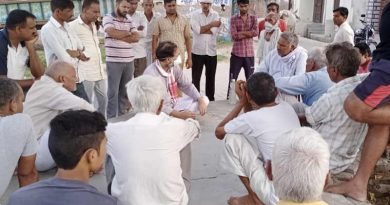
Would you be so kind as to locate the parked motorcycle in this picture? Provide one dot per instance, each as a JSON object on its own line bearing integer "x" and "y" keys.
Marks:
{"x": 365, "y": 34}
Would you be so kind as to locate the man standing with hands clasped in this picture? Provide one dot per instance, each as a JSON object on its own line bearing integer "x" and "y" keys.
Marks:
{"x": 205, "y": 24}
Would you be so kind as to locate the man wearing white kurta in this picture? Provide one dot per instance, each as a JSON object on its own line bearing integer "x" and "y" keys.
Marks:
{"x": 48, "y": 97}
{"x": 344, "y": 33}
{"x": 147, "y": 164}
{"x": 288, "y": 59}
{"x": 250, "y": 137}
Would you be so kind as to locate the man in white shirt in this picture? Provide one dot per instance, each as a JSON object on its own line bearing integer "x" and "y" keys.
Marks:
{"x": 61, "y": 43}
{"x": 151, "y": 18}
{"x": 93, "y": 71}
{"x": 48, "y": 97}
{"x": 147, "y": 164}
{"x": 17, "y": 41}
{"x": 344, "y": 32}
{"x": 288, "y": 59}
{"x": 250, "y": 137}
{"x": 18, "y": 144}
{"x": 141, "y": 24}
{"x": 205, "y": 24}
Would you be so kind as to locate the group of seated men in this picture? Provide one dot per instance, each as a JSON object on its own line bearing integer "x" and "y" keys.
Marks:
{"x": 277, "y": 160}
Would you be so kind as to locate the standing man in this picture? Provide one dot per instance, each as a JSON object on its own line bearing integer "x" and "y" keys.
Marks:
{"x": 205, "y": 25}
{"x": 175, "y": 28}
{"x": 120, "y": 33}
{"x": 85, "y": 28}
{"x": 151, "y": 18}
{"x": 273, "y": 8}
{"x": 61, "y": 43}
{"x": 344, "y": 31}
{"x": 243, "y": 28}
{"x": 140, "y": 23}
{"x": 17, "y": 41}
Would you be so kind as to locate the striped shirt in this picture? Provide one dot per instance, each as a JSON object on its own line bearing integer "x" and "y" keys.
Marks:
{"x": 176, "y": 31}
{"x": 117, "y": 50}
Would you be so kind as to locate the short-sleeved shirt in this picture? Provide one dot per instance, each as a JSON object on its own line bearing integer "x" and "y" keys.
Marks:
{"x": 117, "y": 50}
{"x": 375, "y": 89}
{"x": 265, "y": 125}
{"x": 243, "y": 47}
{"x": 17, "y": 139}
{"x": 176, "y": 31}
{"x": 13, "y": 61}
{"x": 60, "y": 192}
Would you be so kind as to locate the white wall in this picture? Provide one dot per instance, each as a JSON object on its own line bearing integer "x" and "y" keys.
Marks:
{"x": 305, "y": 10}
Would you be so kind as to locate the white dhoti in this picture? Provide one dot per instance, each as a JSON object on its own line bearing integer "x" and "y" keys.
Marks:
{"x": 240, "y": 158}
{"x": 44, "y": 160}
{"x": 188, "y": 103}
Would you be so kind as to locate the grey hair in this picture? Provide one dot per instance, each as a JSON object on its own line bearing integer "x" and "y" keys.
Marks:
{"x": 58, "y": 68}
{"x": 300, "y": 164}
{"x": 146, "y": 93}
{"x": 343, "y": 57}
{"x": 317, "y": 54}
{"x": 9, "y": 90}
{"x": 290, "y": 37}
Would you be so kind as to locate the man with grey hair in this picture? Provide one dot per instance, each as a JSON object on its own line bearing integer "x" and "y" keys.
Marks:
{"x": 288, "y": 59}
{"x": 300, "y": 164}
{"x": 327, "y": 116}
{"x": 48, "y": 97}
{"x": 312, "y": 84}
{"x": 18, "y": 144}
{"x": 147, "y": 165}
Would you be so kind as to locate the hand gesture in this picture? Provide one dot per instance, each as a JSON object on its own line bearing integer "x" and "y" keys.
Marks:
{"x": 202, "y": 106}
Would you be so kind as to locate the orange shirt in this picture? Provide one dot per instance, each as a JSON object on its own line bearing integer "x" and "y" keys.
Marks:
{"x": 282, "y": 25}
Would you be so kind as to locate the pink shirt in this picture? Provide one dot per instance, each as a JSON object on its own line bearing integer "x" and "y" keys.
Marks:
{"x": 243, "y": 46}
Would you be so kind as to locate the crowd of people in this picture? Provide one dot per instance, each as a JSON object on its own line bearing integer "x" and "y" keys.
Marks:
{"x": 305, "y": 121}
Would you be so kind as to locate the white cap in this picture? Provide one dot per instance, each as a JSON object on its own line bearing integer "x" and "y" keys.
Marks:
{"x": 206, "y": 1}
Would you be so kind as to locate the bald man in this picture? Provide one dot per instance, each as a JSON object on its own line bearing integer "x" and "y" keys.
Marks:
{"x": 48, "y": 97}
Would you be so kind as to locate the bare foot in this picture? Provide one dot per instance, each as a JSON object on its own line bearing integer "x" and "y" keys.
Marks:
{"x": 352, "y": 188}
{"x": 242, "y": 200}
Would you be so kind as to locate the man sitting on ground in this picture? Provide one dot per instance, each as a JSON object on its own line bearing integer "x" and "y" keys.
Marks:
{"x": 288, "y": 59}
{"x": 300, "y": 164}
{"x": 48, "y": 97}
{"x": 174, "y": 79}
{"x": 312, "y": 84}
{"x": 263, "y": 121}
{"x": 18, "y": 144}
{"x": 327, "y": 116}
{"x": 147, "y": 164}
{"x": 78, "y": 145}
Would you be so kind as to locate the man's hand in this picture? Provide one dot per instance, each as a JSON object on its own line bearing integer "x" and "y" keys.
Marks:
{"x": 240, "y": 90}
{"x": 186, "y": 114}
{"x": 215, "y": 23}
{"x": 202, "y": 106}
{"x": 32, "y": 41}
{"x": 73, "y": 53}
{"x": 134, "y": 37}
{"x": 140, "y": 28}
{"x": 189, "y": 63}
{"x": 82, "y": 57}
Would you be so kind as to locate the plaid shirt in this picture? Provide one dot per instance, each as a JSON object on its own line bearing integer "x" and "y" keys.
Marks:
{"x": 243, "y": 46}
{"x": 343, "y": 135}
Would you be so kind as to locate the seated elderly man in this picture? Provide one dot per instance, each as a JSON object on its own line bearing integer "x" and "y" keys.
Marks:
{"x": 18, "y": 144}
{"x": 174, "y": 79}
{"x": 48, "y": 97}
{"x": 312, "y": 84}
{"x": 288, "y": 59}
{"x": 327, "y": 116}
{"x": 300, "y": 164}
{"x": 268, "y": 37}
{"x": 252, "y": 135}
{"x": 147, "y": 164}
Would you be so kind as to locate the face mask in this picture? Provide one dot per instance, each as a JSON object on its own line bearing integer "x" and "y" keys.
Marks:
{"x": 269, "y": 27}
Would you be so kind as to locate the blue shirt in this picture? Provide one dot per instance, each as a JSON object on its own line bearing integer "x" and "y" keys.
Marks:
{"x": 311, "y": 85}
{"x": 60, "y": 192}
